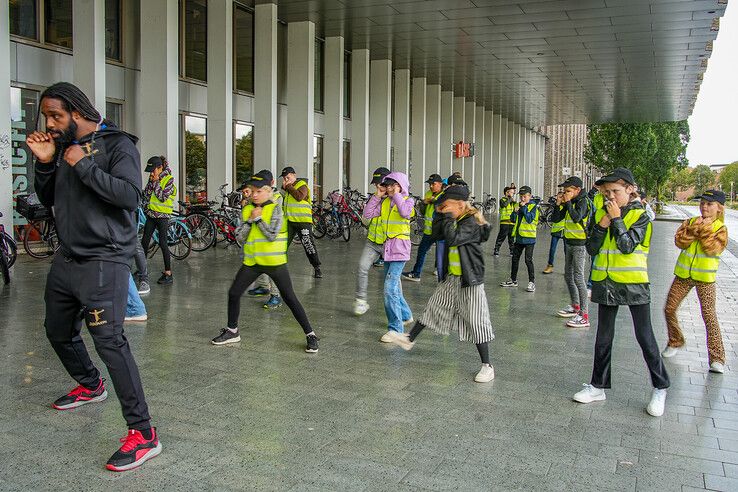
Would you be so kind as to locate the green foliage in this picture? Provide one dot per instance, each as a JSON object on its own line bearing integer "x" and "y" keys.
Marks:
{"x": 652, "y": 151}
{"x": 680, "y": 180}
{"x": 727, "y": 175}
{"x": 703, "y": 178}
{"x": 195, "y": 162}
{"x": 244, "y": 158}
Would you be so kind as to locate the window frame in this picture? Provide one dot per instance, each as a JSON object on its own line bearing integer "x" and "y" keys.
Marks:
{"x": 182, "y": 177}
{"x": 122, "y": 104}
{"x": 181, "y": 48}
{"x": 233, "y": 149}
{"x": 244, "y": 7}
{"x": 347, "y": 87}
{"x": 121, "y": 37}
{"x": 321, "y": 42}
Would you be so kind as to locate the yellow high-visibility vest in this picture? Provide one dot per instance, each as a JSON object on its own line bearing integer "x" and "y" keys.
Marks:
{"x": 623, "y": 268}
{"x": 454, "y": 261}
{"x": 395, "y": 225}
{"x": 429, "y": 209}
{"x": 506, "y": 212}
{"x": 257, "y": 249}
{"x": 525, "y": 229}
{"x": 558, "y": 226}
{"x": 166, "y": 206}
{"x": 375, "y": 232}
{"x": 694, "y": 263}
{"x": 298, "y": 211}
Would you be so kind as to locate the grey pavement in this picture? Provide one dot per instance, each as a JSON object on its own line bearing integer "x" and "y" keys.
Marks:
{"x": 361, "y": 415}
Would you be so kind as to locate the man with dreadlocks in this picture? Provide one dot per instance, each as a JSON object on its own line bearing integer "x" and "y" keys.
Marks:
{"x": 90, "y": 172}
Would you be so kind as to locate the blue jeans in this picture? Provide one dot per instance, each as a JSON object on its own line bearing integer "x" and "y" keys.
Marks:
{"x": 440, "y": 255}
{"x": 394, "y": 302}
{"x": 135, "y": 306}
{"x": 552, "y": 249}
{"x": 423, "y": 248}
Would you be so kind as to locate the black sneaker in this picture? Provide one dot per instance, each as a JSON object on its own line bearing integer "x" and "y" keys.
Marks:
{"x": 226, "y": 336}
{"x": 411, "y": 277}
{"x": 135, "y": 451}
{"x": 312, "y": 344}
{"x": 496, "y": 253}
{"x": 165, "y": 279}
{"x": 317, "y": 273}
{"x": 81, "y": 396}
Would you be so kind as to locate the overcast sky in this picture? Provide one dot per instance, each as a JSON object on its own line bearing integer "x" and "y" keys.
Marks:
{"x": 713, "y": 124}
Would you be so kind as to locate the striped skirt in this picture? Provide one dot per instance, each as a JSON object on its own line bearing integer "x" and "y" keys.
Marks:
{"x": 465, "y": 310}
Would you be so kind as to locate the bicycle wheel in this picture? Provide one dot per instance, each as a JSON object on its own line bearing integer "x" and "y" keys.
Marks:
{"x": 9, "y": 249}
{"x": 178, "y": 240}
{"x": 202, "y": 231}
{"x": 40, "y": 239}
{"x": 222, "y": 231}
{"x": 319, "y": 226}
{"x": 332, "y": 225}
{"x": 416, "y": 230}
{"x": 345, "y": 220}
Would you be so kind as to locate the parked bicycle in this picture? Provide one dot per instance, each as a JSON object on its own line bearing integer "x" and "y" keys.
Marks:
{"x": 8, "y": 253}
{"x": 179, "y": 240}
{"x": 546, "y": 210}
{"x": 331, "y": 219}
{"x": 40, "y": 239}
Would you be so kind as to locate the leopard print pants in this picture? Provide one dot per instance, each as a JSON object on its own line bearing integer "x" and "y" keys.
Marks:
{"x": 706, "y": 294}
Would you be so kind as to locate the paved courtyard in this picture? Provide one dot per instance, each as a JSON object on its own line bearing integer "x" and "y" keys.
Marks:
{"x": 361, "y": 415}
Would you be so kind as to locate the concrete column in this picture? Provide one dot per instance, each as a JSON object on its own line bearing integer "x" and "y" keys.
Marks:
{"x": 6, "y": 147}
{"x": 480, "y": 162}
{"x": 510, "y": 161}
{"x": 503, "y": 155}
{"x": 469, "y": 125}
{"x": 88, "y": 28}
{"x": 220, "y": 97}
{"x": 490, "y": 172}
{"x": 401, "y": 140}
{"x": 360, "y": 120}
{"x": 458, "y": 132}
{"x": 301, "y": 97}
{"x": 524, "y": 179}
{"x": 265, "y": 87}
{"x": 496, "y": 181}
{"x": 333, "y": 115}
{"x": 447, "y": 133}
{"x": 159, "y": 93}
{"x": 417, "y": 141}
{"x": 433, "y": 130}
{"x": 380, "y": 116}
{"x": 516, "y": 159}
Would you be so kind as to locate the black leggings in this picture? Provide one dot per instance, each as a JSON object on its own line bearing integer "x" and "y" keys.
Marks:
{"x": 281, "y": 276}
{"x": 517, "y": 253}
{"x": 482, "y": 348}
{"x": 161, "y": 226}
{"x": 505, "y": 233}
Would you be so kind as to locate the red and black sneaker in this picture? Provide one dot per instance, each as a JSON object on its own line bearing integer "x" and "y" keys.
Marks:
{"x": 81, "y": 396}
{"x": 135, "y": 451}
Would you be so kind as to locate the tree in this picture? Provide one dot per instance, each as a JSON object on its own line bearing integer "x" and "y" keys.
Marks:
{"x": 652, "y": 151}
{"x": 244, "y": 157}
{"x": 704, "y": 179}
{"x": 729, "y": 175}
{"x": 195, "y": 162}
{"x": 680, "y": 181}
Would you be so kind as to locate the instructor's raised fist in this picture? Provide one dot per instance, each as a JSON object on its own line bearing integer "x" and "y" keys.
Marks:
{"x": 42, "y": 145}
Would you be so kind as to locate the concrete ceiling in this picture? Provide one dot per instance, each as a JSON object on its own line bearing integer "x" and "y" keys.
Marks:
{"x": 560, "y": 61}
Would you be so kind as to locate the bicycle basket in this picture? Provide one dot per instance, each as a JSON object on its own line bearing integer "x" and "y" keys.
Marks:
{"x": 30, "y": 208}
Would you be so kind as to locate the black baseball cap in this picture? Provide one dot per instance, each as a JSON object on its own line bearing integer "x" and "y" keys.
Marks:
{"x": 455, "y": 180}
{"x": 454, "y": 193}
{"x": 714, "y": 196}
{"x": 262, "y": 178}
{"x": 616, "y": 175}
{"x": 379, "y": 174}
{"x": 388, "y": 181}
{"x": 153, "y": 163}
{"x": 573, "y": 181}
{"x": 288, "y": 170}
{"x": 525, "y": 190}
{"x": 434, "y": 178}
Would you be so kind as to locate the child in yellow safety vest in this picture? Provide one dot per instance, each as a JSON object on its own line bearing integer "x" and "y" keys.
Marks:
{"x": 620, "y": 240}
{"x": 158, "y": 205}
{"x": 435, "y": 188}
{"x": 508, "y": 206}
{"x": 459, "y": 303}
{"x": 264, "y": 231}
{"x": 702, "y": 241}
{"x": 524, "y": 231}
{"x": 557, "y": 233}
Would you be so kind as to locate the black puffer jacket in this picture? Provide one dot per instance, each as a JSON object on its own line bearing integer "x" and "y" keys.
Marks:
{"x": 608, "y": 291}
{"x": 467, "y": 235}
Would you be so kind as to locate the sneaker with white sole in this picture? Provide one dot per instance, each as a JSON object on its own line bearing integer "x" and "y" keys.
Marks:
{"x": 137, "y": 318}
{"x": 226, "y": 336}
{"x": 144, "y": 287}
{"x": 670, "y": 351}
{"x": 509, "y": 283}
{"x": 717, "y": 367}
{"x": 360, "y": 307}
{"x": 485, "y": 374}
{"x": 578, "y": 321}
{"x": 567, "y": 312}
{"x": 401, "y": 339}
{"x": 589, "y": 394}
{"x": 531, "y": 287}
{"x": 413, "y": 277}
{"x": 655, "y": 407}
{"x": 81, "y": 396}
{"x": 387, "y": 337}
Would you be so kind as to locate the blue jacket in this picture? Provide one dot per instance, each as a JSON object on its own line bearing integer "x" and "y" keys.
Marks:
{"x": 524, "y": 214}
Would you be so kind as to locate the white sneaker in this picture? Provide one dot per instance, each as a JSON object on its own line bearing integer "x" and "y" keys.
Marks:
{"x": 578, "y": 321}
{"x": 435, "y": 273}
{"x": 509, "y": 283}
{"x": 409, "y": 323}
{"x": 387, "y": 337}
{"x": 656, "y": 405}
{"x": 589, "y": 293}
{"x": 567, "y": 312}
{"x": 360, "y": 307}
{"x": 485, "y": 374}
{"x": 717, "y": 367}
{"x": 140, "y": 318}
{"x": 531, "y": 287}
{"x": 589, "y": 394}
{"x": 669, "y": 351}
{"x": 401, "y": 339}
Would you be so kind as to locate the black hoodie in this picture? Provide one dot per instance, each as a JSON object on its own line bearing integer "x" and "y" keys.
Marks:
{"x": 95, "y": 201}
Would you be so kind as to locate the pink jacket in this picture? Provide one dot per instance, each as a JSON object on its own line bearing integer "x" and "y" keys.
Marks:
{"x": 394, "y": 249}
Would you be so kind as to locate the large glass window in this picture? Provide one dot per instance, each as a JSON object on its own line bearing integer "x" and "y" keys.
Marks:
{"x": 193, "y": 39}
{"x": 114, "y": 113}
{"x": 243, "y": 152}
{"x": 346, "y": 163}
{"x": 317, "y": 167}
{"x": 196, "y": 159}
{"x": 23, "y": 110}
{"x": 58, "y": 14}
{"x": 112, "y": 29}
{"x": 347, "y": 85}
{"x": 243, "y": 44}
{"x": 319, "y": 70}
{"x": 23, "y": 18}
